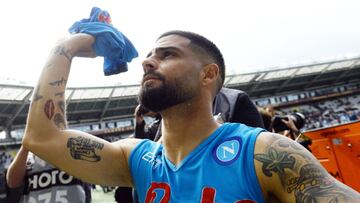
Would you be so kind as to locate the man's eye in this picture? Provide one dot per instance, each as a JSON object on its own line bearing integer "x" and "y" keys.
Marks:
{"x": 167, "y": 54}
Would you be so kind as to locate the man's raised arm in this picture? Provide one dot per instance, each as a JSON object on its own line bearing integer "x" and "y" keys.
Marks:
{"x": 288, "y": 172}
{"x": 80, "y": 154}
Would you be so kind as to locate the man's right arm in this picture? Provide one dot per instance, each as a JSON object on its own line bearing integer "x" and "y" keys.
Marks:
{"x": 82, "y": 155}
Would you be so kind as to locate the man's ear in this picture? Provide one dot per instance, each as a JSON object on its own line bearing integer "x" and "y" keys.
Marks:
{"x": 210, "y": 74}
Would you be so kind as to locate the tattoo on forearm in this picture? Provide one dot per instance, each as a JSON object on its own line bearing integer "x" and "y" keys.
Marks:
{"x": 60, "y": 50}
{"x": 59, "y": 121}
{"x": 84, "y": 149}
{"x": 49, "y": 109}
{"x": 62, "y": 81}
{"x": 36, "y": 94}
{"x": 60, "y": 94}
{"x": 61, "y": 105}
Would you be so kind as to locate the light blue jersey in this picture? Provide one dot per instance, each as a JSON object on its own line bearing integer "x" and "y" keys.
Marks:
{"x": 221, "y": 169}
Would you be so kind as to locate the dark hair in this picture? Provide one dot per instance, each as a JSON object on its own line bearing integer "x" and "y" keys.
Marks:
{"x": 207, "y": 46}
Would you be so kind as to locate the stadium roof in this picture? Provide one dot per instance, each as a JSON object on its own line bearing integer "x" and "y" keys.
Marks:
{"x": 98, "y": 104}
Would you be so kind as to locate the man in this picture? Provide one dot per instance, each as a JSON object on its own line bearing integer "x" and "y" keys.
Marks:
{"x": 198, "y": 160}
{"x": 31, "y": 179}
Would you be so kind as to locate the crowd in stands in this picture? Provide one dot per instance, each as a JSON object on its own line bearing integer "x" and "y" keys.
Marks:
{"x": 328, "y": 112}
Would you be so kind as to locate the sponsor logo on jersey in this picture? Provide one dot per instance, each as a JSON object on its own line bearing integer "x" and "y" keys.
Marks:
{"x": 151, "y": 158}
{"x": 227, "y": 151}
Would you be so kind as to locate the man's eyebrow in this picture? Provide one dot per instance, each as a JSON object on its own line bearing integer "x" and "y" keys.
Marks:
{"x": 162, "y": 49}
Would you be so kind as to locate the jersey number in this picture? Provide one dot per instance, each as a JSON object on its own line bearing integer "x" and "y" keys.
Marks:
{"x": 60, "y": 197}
{"x": 207, "y": 196}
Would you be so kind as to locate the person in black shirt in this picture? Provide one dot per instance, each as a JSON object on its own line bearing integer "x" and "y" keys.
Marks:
{"x": 235, "y": 106}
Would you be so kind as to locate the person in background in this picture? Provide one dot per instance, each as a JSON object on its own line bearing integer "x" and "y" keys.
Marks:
{"x": 235, "y": 106}
{"x": 198, "y": 159}
{"x": 353, "y": 116}
{"x": 291, "y": 132}
{"x": 143, "y": 131}
{"x": 31, "y": 179}
{"x": 123, "y": 195}
{"x": 270, "y": 109}
{"x": 266, "y": 117}
{"x": 295, "y": 134}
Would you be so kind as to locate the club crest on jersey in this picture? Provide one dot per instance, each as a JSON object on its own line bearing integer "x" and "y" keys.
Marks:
{"x": 227, "y": 151}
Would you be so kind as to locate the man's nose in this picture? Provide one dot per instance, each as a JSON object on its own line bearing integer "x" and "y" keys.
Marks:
{"x": 149, "y": 64}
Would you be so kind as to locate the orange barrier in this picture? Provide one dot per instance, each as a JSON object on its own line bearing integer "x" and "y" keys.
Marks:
{"x": 338, "y": 150}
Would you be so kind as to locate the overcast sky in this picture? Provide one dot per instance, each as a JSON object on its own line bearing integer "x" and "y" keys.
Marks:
{"x": 253, "y": 35}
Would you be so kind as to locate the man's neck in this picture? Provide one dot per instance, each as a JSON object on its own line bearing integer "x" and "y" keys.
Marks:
{"x": 184, "y": 127}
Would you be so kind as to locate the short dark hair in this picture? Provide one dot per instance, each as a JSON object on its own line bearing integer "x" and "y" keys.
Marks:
{"x": 207, "y": 46}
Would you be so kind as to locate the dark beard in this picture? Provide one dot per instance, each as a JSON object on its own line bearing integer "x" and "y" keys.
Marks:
{"x": 164, "y": 95}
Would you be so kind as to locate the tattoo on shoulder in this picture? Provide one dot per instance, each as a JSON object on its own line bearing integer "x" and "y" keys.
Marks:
{"x": 285, "y": 143}
{"x": 60, "y": 50}
{"x": 84, "y": 148}
{"x": 299, "y": 173}
{"x": 275, "y": 161}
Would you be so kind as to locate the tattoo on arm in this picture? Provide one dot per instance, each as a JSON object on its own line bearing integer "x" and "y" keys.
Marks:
{"x": 61, "y": 105}
{"x": 60, "y": 50}
{"x": 299, "y": 173}
{"x": 37, "y": 97}
{"x": 62, "y": 81}
{"x": 60, "y": 94}
{"x": 49, "y": 109}
{"x": 313, "y": 185}
{"x": 276, "y": 162}
{"x": 84, "y": 149}
{"x": 59, "y": 121}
